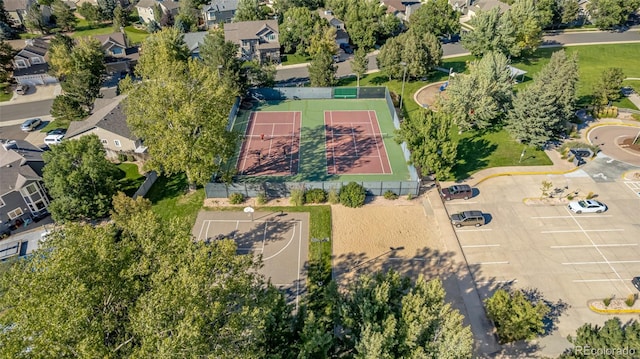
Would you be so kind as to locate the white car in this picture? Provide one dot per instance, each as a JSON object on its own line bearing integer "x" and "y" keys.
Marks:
{"x": 53, "y": 139}
{"x": 587, "y": 206}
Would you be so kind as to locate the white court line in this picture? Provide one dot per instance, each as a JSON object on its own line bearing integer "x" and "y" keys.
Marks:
{"x": 299, "y": 268}
{"x": 353, "y": 136}
{"x": 584, "y": 230}
{"x": 599, "y": 280}
{"x": 601, "y": 262}
{"x": 273, "y": 130}
{"x": 597, "y": 245}
{"x": 481, "y": 246}
{"x": 264, "y": 235}
{"x": 375, "y": 139}
{"x": 474, "y": 230}
{"x": 333, "y": 142}
{"x": 293, "y": 140}
{"x": 585, "y": 216}
{"x": 384, "y": 145}
{"x": 285, "y": 247}
{"x": 485, "y": 263}
{"x": 244, "y": 160}
{"x": 465, "y": 202}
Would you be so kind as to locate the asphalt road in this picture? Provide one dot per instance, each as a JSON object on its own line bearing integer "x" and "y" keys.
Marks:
{"x": 25, "y": 110}
{"x": 297, "y": 74}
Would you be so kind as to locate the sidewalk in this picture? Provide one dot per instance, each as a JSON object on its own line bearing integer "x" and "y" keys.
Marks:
{"x": 35, "y": 93}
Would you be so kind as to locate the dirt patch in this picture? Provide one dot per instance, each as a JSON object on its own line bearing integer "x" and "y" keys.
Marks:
{"x": 628, "y": 144}
{"x": 385, "y": 234}
{"x": 429, "y": 95}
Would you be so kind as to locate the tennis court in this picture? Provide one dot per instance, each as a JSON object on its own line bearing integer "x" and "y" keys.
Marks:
{"x": 354, "y": 143}
{"x": 271, "y": 144}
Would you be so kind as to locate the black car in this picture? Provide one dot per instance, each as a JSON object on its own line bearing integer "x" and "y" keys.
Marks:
{"x": 636, "y": 282}
{"x": 346, "y": 48}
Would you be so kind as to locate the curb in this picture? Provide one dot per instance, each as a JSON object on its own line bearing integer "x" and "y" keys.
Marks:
{"x": 524, "y": 173}
{"x": 590, "y": 128}
{"x": 612, "y": 311}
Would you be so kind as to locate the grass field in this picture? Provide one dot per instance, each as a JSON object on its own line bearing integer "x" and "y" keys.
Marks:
{"x": 292, "y": 59}
{"x": 5, "y": 92}
{"x": 84, "y": 28}
{"x": 312, "y": 147}
{"x": 171, "y": 200}
{"x": 131, "y": 179}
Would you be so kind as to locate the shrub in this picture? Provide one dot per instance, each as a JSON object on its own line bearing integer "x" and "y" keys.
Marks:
{"x": 606, "y": 301}
{"x": 261, "y": 198}
{"x": 526, "y": 325}
{"x": 122, "y": 157}
{"x": 570, "y": 197}
{"x": 297, "y": 197}
{"x": 332, "y": 196}
{"x": 410, "y": 196}
{"x": 564, "y": 149}
{"x": 390, "y": 195}
{"x": 316, "y": 195}
{"x": 236, "y": 198}
{"x": 631, "y": 300}
{"x": 131, "y": 158}
{"x": 352, "y": 195}
{"x": 590, "y": 195}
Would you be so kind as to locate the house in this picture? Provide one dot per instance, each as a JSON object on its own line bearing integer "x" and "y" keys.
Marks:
{"x": 22, "y": 192}
{"x": 341, "y": 34}
{"x": 219, "y": 12}
{"x": 401, "y": 9}
{"x": 146, "y": 9}
{"x": 193, "y": 41}
{"x": 257, "y": 39}
{"x": 30, "y": 64}
{"x": 119, "y": 57}
{"x": 17, "y": 10}
{"x": 109, "y": 123}
{"x": 486, "y": 5}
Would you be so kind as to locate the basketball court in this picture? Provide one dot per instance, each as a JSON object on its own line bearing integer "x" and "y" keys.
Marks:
{"x": 354, "y": 143}
{"x": 271, "y": 144}
{"x": 280, "y": 239}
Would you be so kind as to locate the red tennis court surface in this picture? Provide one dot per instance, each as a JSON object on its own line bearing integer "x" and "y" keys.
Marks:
{"x": 271, "y": 144}
{"x": 354, "y": 143}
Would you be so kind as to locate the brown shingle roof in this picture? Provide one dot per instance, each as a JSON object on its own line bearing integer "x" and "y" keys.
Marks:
{"x": 245, "y": 30}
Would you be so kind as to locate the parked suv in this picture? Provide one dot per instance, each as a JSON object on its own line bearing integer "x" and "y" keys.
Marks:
{"x": 457, "y": 191}
{"x": 468, "y": 218}
{"x": 22, "y": 89}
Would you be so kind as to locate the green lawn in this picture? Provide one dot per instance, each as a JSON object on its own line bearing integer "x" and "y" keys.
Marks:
{"x": 171, "y": 200}
{"x": 55, "y": 124}
{"x": 131, "y": 179}
{"x": 292, "y": 59}
{"x": 135, "y": 36}
{"x": 5, "y": 92}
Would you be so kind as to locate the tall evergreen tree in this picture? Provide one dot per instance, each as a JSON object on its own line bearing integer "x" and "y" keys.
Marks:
{"x": 107, "y": 7}
{"x": 613, "y": 335}
{"x": 248, "y": 10}
{"x": 120, "y": 17}
{"x": 221, "y": 57}
{"x": 34, "y": 21}
{"x": 389, "y": 58}
{"x": 6, "y": 60}
{"x": 608, "y": 88}
{"x": 65, "y": 19}
{"x": 322, "y": 71}
{"x": 480, "y": 99}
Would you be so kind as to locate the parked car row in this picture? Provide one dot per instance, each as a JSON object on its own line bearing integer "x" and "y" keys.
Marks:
{"x": 464, "y": 218}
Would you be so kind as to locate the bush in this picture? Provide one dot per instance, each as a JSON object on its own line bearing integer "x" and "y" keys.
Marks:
{"x": 236, "y": 198}
{"x": 316, "y": 195}
{"x": 590, "y": 195}
{"x": 262, "y": 198}
{"x": 352, "y": 195}
{"x": 332, "y": 196}
{"x": 131, "y": 158}
{"x": 297, "y": 197}
{"x": 122, "y": 157}
{"x": 570, "y": 197}
{"x": 390, "y": 195}
{"x": 410, "y": 196}
{"x": 631, "y": 300}
{"x": 529, "y": 322}
{"x": 611, "y": 112}
{"x": 606, "y": 301}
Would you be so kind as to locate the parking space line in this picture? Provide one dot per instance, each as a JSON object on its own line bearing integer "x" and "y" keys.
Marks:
{"x": 474, "y": 230}
{"x": 498, "y": 281}
{"x": 481, "y": 245}
{"x": 560, "y": 217}
{"x": 465, "y": 202}
{"x": 407, "y": 259}
{"x": 599, "y": 280}
{"x": 602, "y": 262}
{"x": 634, "y": 187}
{"x": 584, "y": 230}
{"x": 597, "y": 245}
{"x": 484, "y": 263}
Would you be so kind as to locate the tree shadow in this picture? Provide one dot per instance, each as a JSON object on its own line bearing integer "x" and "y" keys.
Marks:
{"x": 556, "y": 308}
{"x": 472, "y": 155}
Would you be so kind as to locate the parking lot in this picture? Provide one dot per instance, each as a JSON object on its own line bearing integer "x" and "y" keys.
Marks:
{"x": 570, "y": 258}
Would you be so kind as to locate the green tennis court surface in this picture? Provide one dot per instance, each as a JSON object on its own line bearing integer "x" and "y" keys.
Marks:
{"x": 312, "y": 154}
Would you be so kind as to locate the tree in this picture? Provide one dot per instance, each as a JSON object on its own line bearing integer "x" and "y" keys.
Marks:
{"x": 479, "y": 99}
{"x": 360, "y": 64}
{"x": 366, "y": 21}
{"x": 437, "y": 17}
{"x": 385, "y": 316}
{"x": 546, "y": 11}
{"x": 322, "y": 71}
{"x": 248, "y": 10}
{"x": 167, "y": 20}
{"x": 420, "y": 52}
{"x": 33, "y": 20}
{"x": 607, "y": 14}
{"x": 141, "y": 287}
{"x": 107, "y": 8}
{"x": 91, "y": 13}
{"x": 120, "y": 17}
{"x": 60, "y": 63}
{"x": 65, "y": 108}
{"x": 389, "y": 58}
{"x": 80, "y": 179}
{"x": 153, "y": 27}
{"x": 298, "y": 25}
{"x": 6, "y": 60}
{"x": 515, "y": 317}
{"x": 180, "y": 108}
{"x": 221, "y": 57}
{"x": 528, "y": 34}
{"x": 568, "y": 11}
{"x": 608, "y": 88}
{"x": 187, "y": 18}
{"x": 259, "y": 75}
{"x": 613, "y": 335}
{"x": 428, "y": 136}
{"x": 83, "y": 83}
{"x": 65, "y": 19}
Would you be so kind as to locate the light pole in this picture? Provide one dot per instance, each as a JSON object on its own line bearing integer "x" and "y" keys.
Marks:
{"x": 404, "y": 75}
{"x": 522, "y": 154}
{"x": 636, "y": 139}
{"x": 220, "y": 71}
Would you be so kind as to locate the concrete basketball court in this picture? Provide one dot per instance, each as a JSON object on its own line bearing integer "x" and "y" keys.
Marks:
{"x": 280, "y": 240}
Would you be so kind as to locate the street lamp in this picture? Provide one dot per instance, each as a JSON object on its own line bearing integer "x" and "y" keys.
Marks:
{"x": 404, "y": 75}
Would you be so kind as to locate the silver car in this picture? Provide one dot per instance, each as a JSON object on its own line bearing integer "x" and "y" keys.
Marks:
{"x": 587, "y": 206}
{"x": 30, "y": 124}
